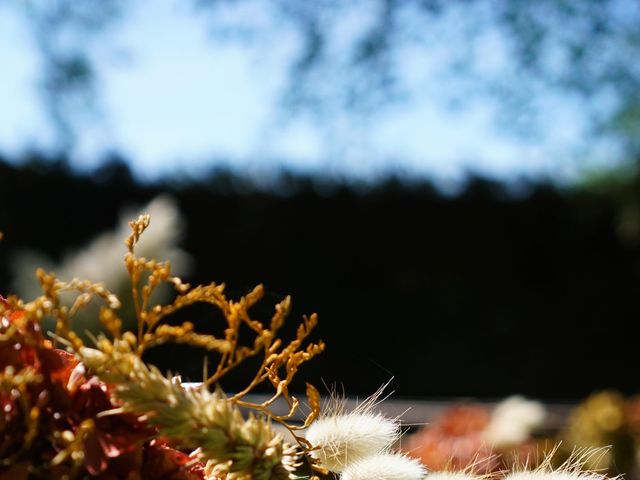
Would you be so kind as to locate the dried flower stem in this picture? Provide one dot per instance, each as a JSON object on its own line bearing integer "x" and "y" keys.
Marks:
{"x": 195, "y": 418}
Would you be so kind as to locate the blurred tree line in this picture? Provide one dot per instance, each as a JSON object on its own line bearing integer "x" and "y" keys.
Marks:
{"x": 358, "y": 58}
{"x": 486, "y": 292}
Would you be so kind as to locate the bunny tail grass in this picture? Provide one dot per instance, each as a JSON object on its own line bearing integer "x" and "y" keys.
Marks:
{"x": 344, "y": 438}
{"x": 385, "y": 466}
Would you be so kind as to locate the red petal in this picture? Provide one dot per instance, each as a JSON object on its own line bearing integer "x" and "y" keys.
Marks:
{"x": 94, "y": 459}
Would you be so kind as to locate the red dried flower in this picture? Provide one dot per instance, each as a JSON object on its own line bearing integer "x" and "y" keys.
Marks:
{"x": 49, "y": 417}
{"x": 455, "y": 441}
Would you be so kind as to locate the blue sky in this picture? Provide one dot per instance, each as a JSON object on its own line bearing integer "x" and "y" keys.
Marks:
{"x": 173, "y": 99}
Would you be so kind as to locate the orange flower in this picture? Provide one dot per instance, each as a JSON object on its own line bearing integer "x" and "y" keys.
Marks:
{"x": 455, "y": 441}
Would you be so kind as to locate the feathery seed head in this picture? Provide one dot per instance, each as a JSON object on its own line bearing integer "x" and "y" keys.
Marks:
{"x": 347, "y": 438}
{"x": 341, "y": 438}
{"x": 574, "y": 468}
{"x": 540, "y": 474}
{"x": 385, "y": 466}
{"x": 513, "y": 420}
{"x": 444, "y": 475}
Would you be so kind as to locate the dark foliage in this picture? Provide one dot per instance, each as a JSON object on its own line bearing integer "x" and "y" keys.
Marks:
{"x": 484, "y": 293}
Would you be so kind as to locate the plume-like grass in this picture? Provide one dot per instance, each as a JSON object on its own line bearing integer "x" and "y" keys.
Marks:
{"x": 384, "y": 466}
{"x": 344, "y": 438}
{"x": 454, "y": 475}
{"x": 572, "y": 469}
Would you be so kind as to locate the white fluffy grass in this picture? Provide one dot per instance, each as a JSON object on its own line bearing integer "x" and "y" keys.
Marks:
{"x": 385, "y": 466}
{"x": 461, "y": 475}
{"x": 513, "y": 420}
{"x": 345, "y": 438}
{"x": 101, "y": 259}
{"x": 554, "y": 475}
{"x": 571, "y": 469}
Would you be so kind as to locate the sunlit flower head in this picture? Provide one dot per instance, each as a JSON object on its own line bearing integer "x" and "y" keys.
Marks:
{"x": 344, "y": 438}
{"x": 385, "y": 466}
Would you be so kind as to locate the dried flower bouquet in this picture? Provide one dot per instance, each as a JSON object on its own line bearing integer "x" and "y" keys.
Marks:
{"x": 101, "y": 411}
{"x": 97, "y": 410}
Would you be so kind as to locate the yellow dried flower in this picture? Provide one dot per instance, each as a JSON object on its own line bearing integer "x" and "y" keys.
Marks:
{"x": 196, "y": 418}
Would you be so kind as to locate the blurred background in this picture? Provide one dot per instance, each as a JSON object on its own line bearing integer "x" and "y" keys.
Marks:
{"x": 453, "y": 186}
